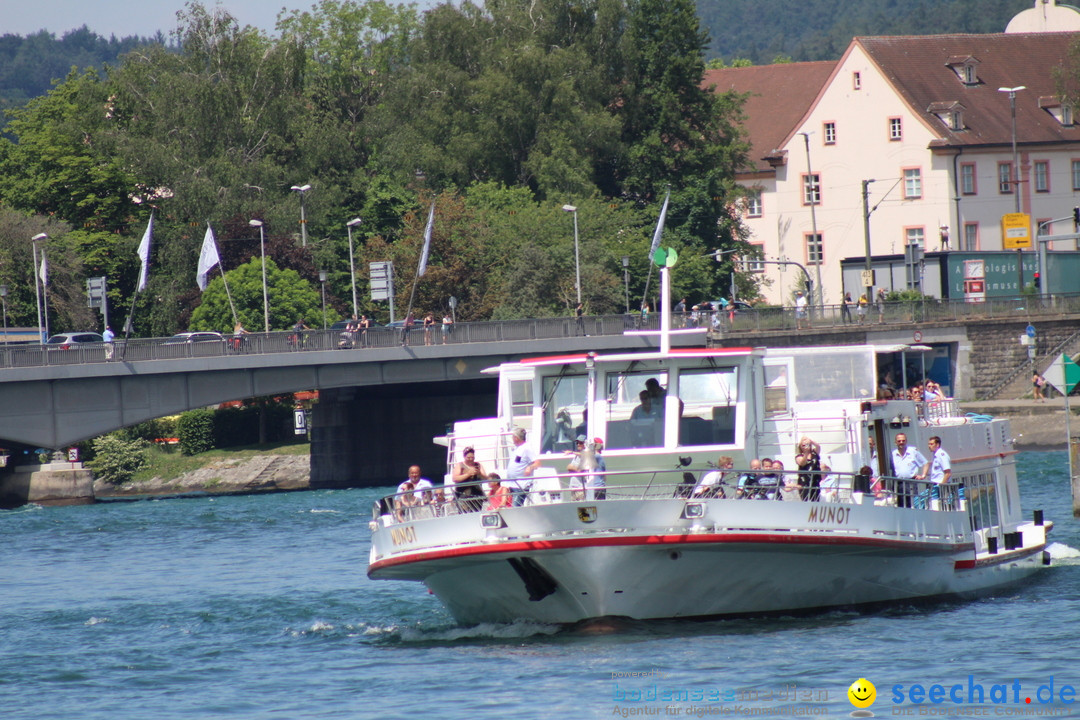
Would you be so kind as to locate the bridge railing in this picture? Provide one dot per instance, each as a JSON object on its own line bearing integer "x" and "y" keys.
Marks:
{"x": 758, "y": 319}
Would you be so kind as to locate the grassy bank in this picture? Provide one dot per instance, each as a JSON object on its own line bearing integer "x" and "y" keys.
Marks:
{"x": 169, "y": 464}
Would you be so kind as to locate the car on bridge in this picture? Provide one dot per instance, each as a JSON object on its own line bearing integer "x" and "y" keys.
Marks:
{"x": 195, "y": 337}
{"x": 64, "y": 341}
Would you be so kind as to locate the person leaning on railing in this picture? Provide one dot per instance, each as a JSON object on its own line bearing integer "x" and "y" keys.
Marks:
{"x": 469, "y": 471}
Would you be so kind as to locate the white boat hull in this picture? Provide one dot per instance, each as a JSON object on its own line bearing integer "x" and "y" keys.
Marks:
{"x": 780, "y": 558}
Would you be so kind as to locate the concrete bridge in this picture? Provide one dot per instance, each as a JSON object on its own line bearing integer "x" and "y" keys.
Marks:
{"x": 380, "y": 405}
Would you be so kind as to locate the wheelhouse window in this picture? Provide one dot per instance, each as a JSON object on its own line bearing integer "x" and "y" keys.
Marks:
{"x": 707, "y": 406}
{"x": 565, "y": 413}
{"x": 636, "y": 409}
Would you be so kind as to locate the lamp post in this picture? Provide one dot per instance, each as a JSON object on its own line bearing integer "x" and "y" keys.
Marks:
{"x": 577, "y": 256}
{"x": 37, "y": 288}
{"x": 302, "y": 189}
{"x": 868, "y": 273}
{"x": 352, "y": 267}
{"x": 262, "y": 250}
{"x": 626, "y": 279}
{"x": 3, "y": 298}
{"x": 1015, "y": 181}
{"x": 322, "y": 281}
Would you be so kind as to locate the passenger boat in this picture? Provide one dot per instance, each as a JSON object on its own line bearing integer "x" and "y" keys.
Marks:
{"x": 657, "y": 542}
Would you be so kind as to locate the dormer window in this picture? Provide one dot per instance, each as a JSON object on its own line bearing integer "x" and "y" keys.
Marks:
{"x": 1062, "y": 112}
{"x": 966, "y": 68}
{"x": 950, "y": 112}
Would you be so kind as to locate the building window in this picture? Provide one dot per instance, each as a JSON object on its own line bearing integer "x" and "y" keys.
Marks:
{"x": 1042, "y": 176}
{"x": 915, "y": 236}
{"x": 967, "y": 179}
{"x": 753, "y": 203}
{"x": 1066, "y": 115}
{"x": 754, "y": 264}
{"x": 1005, "y": 178}
{"x": 912, "y": 183}
{"x": 856, "y": 80}
{"x": 896, "y": 129}
{"x": 971, "y": 237}
{"x": 811, "y": 189}
{"x": 956, "y": 120}
{"x": 815, "y": 248}
{"x": 830, "y": 133}
{"x": 1076, "y": 174}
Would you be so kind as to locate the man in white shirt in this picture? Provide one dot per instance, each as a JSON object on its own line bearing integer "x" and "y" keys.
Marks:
{"x": 419, "y": 484}
{"x": 520, "y": 468}
{"x": 941, "y": 473}
{"x": 801, "y": 304}
{"x": 907, "y": 463}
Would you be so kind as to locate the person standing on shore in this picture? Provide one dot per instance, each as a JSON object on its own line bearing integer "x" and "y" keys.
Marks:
{"x": 1038, "y": 382}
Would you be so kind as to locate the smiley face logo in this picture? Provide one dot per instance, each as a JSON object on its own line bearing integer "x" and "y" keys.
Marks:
{"x": 862, "y": 693}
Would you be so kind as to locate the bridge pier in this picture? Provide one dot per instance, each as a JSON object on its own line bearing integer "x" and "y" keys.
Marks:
{"x": 368, "y": 436}
{"x": 62, "y": 483}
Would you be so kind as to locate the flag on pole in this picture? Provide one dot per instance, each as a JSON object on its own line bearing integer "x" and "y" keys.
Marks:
{"x": 43, "y": 273}
{"x": 144, "y": 254}
{"x": 659, "y": 225}
{"x": 427, "y": 242}
{"x": 208, "y": 258}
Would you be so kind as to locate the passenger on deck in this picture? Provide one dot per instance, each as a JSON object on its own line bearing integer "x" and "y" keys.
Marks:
{"x": 712, "y": 483}
{"x": 404, "y": 501}
{"x": 808, "y": 459}
{"x": 577, "y": 482}
{"x": 907, "y": 463}
{"x": 595, "y": 482}
{"x": 520, "y": 468}
{"x": 419, "y": 484}
{"x": 830, "y": 485}
{"x": 498, "y": 494}
{"x": 767, "y": 480}
{"x": 646, "y": 422}
{"x": 471, "y": 496}
{"x": 787, "y": 485}
{"x": 748, "y": 481}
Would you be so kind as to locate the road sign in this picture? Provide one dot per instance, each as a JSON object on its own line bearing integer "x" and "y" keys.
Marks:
{"x": 917, "y": 336}
{"x": 1030, "y": 330}
{"x": 299, "y": 422}
{"x": 1015, "y": 231}
{"x": 665, "y": 257}
{"x": 382, "y": 280}
{"x": 867, "y": 278}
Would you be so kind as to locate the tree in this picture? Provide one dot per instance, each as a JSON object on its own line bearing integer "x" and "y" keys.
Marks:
{"x": 291, "y": 298}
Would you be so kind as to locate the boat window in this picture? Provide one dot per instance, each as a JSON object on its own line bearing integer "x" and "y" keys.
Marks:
{"x": 708, "y": 398}
{"x": 564, "y": 411}
{"x": 776, "y": 388}
{"x": 521, "y": 400}
{"x": 834, "y": 376}
{"x": 982, "y": 501}
{"x": 635, "y": 407}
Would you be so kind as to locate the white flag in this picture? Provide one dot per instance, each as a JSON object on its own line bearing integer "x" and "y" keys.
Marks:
{"x": 208, "y": 258}
{"x": 427, "y": 242}
{"x": 659, "y": 226}
{"x": 144, "y": 254}
{"x": 43, "y": 273}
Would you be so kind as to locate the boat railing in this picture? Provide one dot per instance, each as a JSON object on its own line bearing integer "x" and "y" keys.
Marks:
{"x": 690, "y": 485}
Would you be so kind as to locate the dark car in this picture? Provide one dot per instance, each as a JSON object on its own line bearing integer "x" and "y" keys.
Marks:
{"x": 65, "y": 340}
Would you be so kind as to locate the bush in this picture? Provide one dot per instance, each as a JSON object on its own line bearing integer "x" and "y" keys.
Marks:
{"x": 117, "y": 458}
{"x": 195, "y": 430}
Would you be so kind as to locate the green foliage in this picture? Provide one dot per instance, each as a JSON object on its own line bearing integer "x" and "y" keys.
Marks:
{"x": 195, "y": 430}
{"x": 152, "y": 430}
{"x": 291, "y": 298}
{"x": 118, "y": 458}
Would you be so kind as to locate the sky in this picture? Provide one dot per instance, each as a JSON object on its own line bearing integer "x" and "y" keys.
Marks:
{"x": 123, "y": 18}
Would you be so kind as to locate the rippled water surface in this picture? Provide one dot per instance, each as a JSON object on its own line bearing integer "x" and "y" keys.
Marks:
{"x": 259, "y": 607}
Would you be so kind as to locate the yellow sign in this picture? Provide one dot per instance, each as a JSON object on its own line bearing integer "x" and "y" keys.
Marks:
{"x": 1015, "y": 231}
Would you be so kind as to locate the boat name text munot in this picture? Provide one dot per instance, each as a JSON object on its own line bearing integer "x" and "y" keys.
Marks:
{"x": 838, "y": 515}
{"x": 403, "y": 535}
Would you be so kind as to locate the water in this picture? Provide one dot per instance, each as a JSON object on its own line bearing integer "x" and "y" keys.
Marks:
{"x": 259, "y": 607}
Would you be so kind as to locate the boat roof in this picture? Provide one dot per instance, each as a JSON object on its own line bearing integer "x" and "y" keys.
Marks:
{"x": 674, "y": 353}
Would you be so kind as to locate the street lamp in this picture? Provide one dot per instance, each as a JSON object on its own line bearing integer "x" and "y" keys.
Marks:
{"x": 577, "y": 256}
{"x": 352, "y": 267}
{"x": 302, "y": 189}
{"x": 322, "y": 280}
{"x": 1015, "y": 180}
{"x": 3, "y": 298}
{"x": 262, "y": 249}
{"x": 626, "y": 279}
{"x": 813, "y": 224}
{"x": 37, "y": 288}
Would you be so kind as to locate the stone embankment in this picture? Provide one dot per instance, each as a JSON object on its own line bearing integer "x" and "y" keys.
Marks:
{"x": 1035, "y": 425}
{"x": 262, "y": 473}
